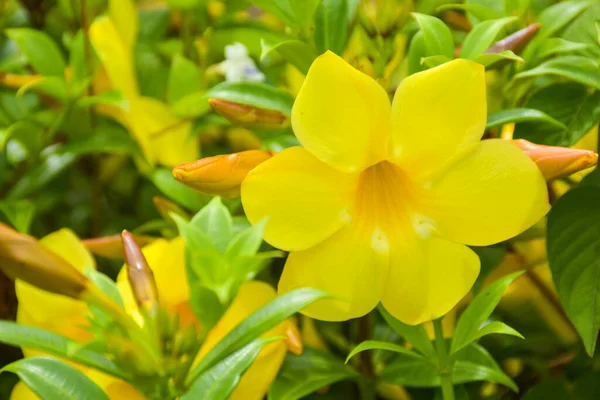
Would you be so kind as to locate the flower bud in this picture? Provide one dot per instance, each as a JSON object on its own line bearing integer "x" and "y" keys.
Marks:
{"x": 17, "y": 81}
{"x": 515, "y": 42}
{"x": 139, "y": 274}
{"x": 249, "y": 116}
{"x": 557, "y": 162}
{"x": 220, "y": 175}
{"x": 166, "y": 207}
{"x": 293, "y": 338}
{"x": 112, "y": 246}
{"x": 23, "y": 257}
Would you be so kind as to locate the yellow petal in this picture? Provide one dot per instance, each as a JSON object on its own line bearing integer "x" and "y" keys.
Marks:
{"x": 492, "y": 194}
{"x": 346, "y": 266}
{"x": 167, "y": 261}
{"x": 341, "y": 115}
{"x": 304, "y": 199}
{"x": 116, "y": 389}
{"x": 257, "y": 379}
{"x": 22, "y": 392}
{"x": 436, "y": 114}
{"x": 124, "y": 16}
{"x": 114, "y": 55}
{"x": 168, "y": 138}
{"x": 427, "y": 277}
{"x": 51, "y": 311}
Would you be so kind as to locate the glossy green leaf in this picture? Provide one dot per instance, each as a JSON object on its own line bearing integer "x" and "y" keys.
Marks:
{"x": 331, "y": 26}
{"x": 205, "y": 304}
{"x": 585, "y": 29}
{"x": 254, "y": 94}
{"x": 52, "y": 379}
{"x": 35, "y": 338}
{"x": 220, "y": 381}
{"x": 257, "y": 323}
{"x": 556, "y": 17}
{"x": 434, "y": 61}
{"x": 574, "y": 255}
{"x": 483, "y": 36}
{"x": 436, "y": 35}
{"x": 379, "y": 345}
{"x": 414, "y": 334}
{"x": 577, "y": 68}
{"x": 191, "y": 106}
{"x": 553, "y": 46}
{"x": 302, "y": 375}
{"x": 571, "y": 104}
{"x": 296, "y": 52}
{"x": 53, "y": 86}
{"x": 496, "y": 60}
{"x": 417, "y": 51}
{"x": 490, "y": 257}
{"x": 294, "y": 13}
{"x": 519, "y": 115}
{"x": 469, "y": 326}
{"x": 176, "y": 191}
{"x": 41, "y": 51}
{"x": 19, "y": 213}
{"x": 248, "y": 241}
{"x": 113, "y": 98}
{"x": 215, "y": 221}
{"x": 184, "y": 79}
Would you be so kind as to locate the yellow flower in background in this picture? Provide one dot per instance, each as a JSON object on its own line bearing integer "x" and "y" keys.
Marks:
{"x": 380, "y": 202}
{"x": 166, "y": 258}
{"x": 163, "y": 138}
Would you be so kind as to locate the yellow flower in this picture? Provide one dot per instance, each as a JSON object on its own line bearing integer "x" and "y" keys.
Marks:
{"x": 166, "y": 258}
{"x": 380, "y": 202}
{"x": 162, "y": 137}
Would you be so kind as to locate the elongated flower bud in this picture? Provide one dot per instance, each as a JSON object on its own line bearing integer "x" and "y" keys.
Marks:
{"x": 293, "y": 339}
{"x": 557, "y": 162}
{"x": 166, "y": 207}
{"x": 220, "y": 175}
{"x": 249, "y": 116}
{"x": 516, "y": 41}
{"x": 112, "y": 246}
{"x": 23, "y": 257}
{"x": 139, "y": 274}
{"x": 17, "y": 81}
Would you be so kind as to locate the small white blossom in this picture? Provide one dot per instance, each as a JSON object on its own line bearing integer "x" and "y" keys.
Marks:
{"x": 238, "y": 66}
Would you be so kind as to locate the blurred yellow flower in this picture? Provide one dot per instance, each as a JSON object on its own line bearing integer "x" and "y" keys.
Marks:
{"x": 166, "y": 258}
{"x": 380, "y": 202}
{"x": 163, "y": 138}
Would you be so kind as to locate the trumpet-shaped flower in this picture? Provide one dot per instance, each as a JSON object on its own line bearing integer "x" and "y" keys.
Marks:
{"x": 380, "y": 202}
{"x": 166, "y": 258}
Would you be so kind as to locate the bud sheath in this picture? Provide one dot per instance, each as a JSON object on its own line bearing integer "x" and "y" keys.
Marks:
{"x": 141, "y": 277}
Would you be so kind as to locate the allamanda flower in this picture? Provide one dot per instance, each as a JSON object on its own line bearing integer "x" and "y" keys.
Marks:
{"x": 379, "y": 203}
{"x": 167, "y": 259}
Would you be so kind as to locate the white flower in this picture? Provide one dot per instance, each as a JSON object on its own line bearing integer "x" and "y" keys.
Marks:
{"x": 238, "y": 66}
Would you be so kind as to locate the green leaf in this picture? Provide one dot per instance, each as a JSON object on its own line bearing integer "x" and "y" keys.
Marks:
{"x": 219, "y": 382}
{"x": 52, "y": 379}
{"x": 41, "y": 51}
{"x": 490, "y": 257}
{"x": 301, "y": 375}
{"x": 298, "y": 53}
{"x": 434, "y": 61}
{"x": 254, "y": 94}
{"x": 39, "y": 176}
{"x": 519, "y": 115}
{"x": 417, "y": 51}
{"x": 191, "y": 106}
{"x": 215, "y": 221}
{"x": 331, "y": 26}
{"x": 206, "y": 305}
{"x": 294, "y": 13}
{"x": 577, "y": 68}
{"x": 551, "y": 389}
{"x": 30, "y": 337}
{"x": 184, "y": 79}
{"x": 584, "y": 29}
{"x": 496, "y": 60}
{"x": 497, "y": 327}
{"x": 52, "y": 86}
{"x": 105, "y": 284}
{"x": 480, "y": 12}
{"x": 469, "y": 326}
{"x": 113, "y": 98}
{"x": 379, "y": 345}
{"x": 176, "y": 191}
{"x": 436, "y": 35}
{"x": 556, "y": 17}
{"x": 414, "y": 334}
{"x": 257, "y": 323}
{"x": 248, "y": 241}
{"x": 569, "y": 103}
{"x": 574, "y": 255}
{"x": 472, "y": 364}
{"x": 552, "y": 46}
{"x": 482, "y": 36}
{"x": 19, "y": 213}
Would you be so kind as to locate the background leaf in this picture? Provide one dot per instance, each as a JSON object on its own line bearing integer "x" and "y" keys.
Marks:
{"x": 331, "y": 26}
{"x": 41, "y": 51}
{"x": 482, "y": 36}
{"x": 436, "y": 35}
{"x": 254, "y": 94}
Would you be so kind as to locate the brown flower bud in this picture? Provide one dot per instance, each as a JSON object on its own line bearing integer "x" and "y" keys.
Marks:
{"x": 23, "y": 257}
{"x": 112, "y": 246}
{"x": 166, "y": 207}
{"x": 515, "y": 42}
{"x": 557, "y": 162}
{"x": 139, "y": 274}
{"x": 220, "y": 175}
{"x": 249, "y": 116}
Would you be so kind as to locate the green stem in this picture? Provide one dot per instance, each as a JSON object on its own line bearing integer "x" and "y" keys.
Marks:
{"x": 444, "y": 361}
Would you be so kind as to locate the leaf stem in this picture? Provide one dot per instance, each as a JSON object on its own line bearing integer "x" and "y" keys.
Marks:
{"x": 444, "y": 361}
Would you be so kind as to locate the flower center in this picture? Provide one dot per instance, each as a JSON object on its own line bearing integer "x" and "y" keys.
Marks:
{"x": 385, "y": 205}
